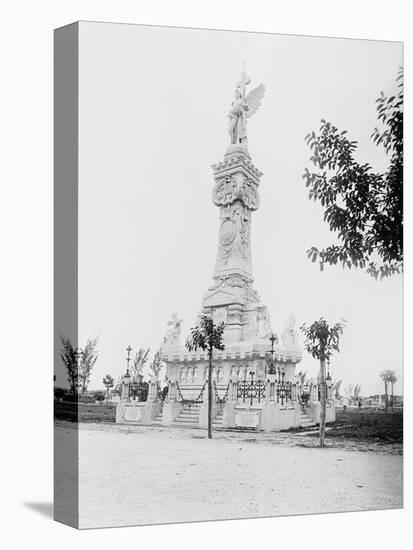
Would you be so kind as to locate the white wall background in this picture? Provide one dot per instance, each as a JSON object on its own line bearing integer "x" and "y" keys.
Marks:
{"x": 26, "y": 275}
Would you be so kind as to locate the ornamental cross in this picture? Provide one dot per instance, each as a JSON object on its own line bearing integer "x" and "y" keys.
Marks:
{"x": 243, "y": 81}
{"x": 128, "y": 349}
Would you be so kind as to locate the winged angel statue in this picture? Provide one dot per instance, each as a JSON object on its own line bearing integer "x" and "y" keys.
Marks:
{"x": 243, "y": 107}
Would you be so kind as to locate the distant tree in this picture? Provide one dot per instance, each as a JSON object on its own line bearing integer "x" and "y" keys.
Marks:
{"x": 393, "y": 380}
{"x": 389, "y": 377}
{"x": 108, "y": 382}
{"x": 365, "y": 208}
{"x": 302, "y": 377}
{"x": 321, "y": 341}
{"x": 356, "y": 393}
{"x": 336, "y": 388}
{"x": 208, "y": 337}
{"x": 88, "y": 358}
{"x": 156, "y": 364}
{"x": 70, "y": 359}
{"x": 349, "y": 390}
{"x": 139, "y": 361}
{"x": 60, "y": 393}
{"x": 99, "y": 395}
{"x": 118, "y": 387}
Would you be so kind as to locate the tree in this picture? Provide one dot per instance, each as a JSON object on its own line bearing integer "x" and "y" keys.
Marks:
{"x": 139, "y": 361}
{"x": 70, "y": 358}
{"x": 393, "y": 380}
{"x": 365, "y": 208}
{"x": 349, "y": 391}
{"x": 336, "y": 389}
{"x": 302, "y": 377}
{"x": 156, "y": 364}
{"x": 208, "y": 337}
{"x": 108, "y": 382}
{"x": 88, "y": 357}
{"x": 356, "y": 393}
{"x": 388, "y": 376}
{"x": 321, "y": 341}
{"x": 98, "y": 395}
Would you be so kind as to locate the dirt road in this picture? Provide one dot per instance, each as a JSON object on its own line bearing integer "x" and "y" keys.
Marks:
{"x": 144, "y": 475}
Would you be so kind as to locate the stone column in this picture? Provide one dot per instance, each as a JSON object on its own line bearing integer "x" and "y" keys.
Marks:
{"x": 233, "y": 390}
{"x": 229, "y": 406}
{"x": 172, "y": 393}
{"x": 125, "y": 394}
{"x": 152, "y": 392}
{"x": 314, "y": 393}
{"x": 172, "y": 406}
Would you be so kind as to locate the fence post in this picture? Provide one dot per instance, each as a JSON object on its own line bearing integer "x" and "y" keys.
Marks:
{"x": 294, "y": 392}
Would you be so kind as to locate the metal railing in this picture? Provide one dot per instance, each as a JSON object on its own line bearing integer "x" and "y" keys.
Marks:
{"x": 190, "y": 402}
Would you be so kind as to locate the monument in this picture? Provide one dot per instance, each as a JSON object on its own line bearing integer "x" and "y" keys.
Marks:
{"x": 255, "y": 363}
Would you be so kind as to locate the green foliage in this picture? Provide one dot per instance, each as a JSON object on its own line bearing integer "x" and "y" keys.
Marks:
{"x": 388, "y": 376}
{"x": 206, "y": 336}
{"x": 78, "y": 362}
{"x": 156, "y": 364}
{"x": 98, "y": 395}
{"x": 302, "y": 377}
{"x": 356, "y": 392}
{"x": 321, "y": 340}
{"x": 141, "y": 358}
{"x": 69, "y": 356}
{"x": 336, "y": 388}
{"x": 108, "y": 381}
{"x": 60, "y": 393}
{"x": 88, "y": 358}
{"x": 363, "y": 207}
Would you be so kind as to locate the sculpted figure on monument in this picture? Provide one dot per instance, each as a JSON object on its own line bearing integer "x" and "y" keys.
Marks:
{"x": 243, "y": 107}
{"x": 290, "y": 335}
{"x": 264, "y": 323}
{"x": 173, "y": 334}
{"x": 239, "y": 244}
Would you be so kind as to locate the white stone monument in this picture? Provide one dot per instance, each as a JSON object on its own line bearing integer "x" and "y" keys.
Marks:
{"x": 232, "y": 298}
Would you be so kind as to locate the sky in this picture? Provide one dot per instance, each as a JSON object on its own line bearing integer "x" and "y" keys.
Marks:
{"x": 153, "y": 106}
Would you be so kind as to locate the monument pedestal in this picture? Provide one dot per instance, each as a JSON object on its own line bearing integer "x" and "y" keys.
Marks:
{"x": 170, "y": 412}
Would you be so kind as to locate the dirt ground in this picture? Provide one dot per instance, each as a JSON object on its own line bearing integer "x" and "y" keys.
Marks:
{"x": 133, "y": 475}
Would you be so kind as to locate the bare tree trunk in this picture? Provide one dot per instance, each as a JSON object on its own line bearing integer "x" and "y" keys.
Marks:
{"x": 210, "y": 395}
{"x": 386, "y": 391}
{"x": 323, "y": 401}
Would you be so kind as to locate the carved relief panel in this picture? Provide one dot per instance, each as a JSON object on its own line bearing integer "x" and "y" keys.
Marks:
{"x": 234, "y": 235}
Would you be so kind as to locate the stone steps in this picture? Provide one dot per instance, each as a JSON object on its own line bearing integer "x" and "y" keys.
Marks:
{"x": 157, "y": 421}
{"x": 188, "y": 418}
{"x": 218, "y": 421}
{"x": 306, "y": 421}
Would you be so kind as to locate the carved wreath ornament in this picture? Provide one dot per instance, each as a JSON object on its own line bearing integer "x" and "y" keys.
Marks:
{"x": 236, "y": 186}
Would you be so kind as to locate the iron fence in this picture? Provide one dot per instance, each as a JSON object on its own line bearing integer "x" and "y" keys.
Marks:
{"x": 190, "y": 402}
{"x": 250, "y": 390}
